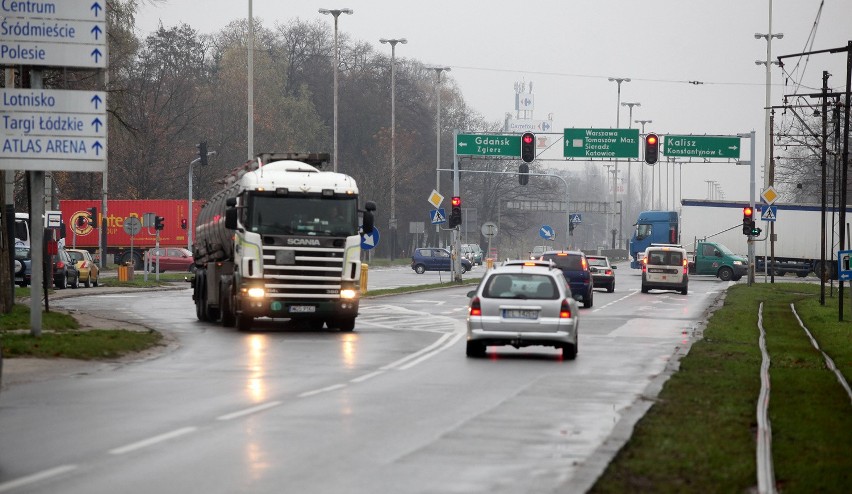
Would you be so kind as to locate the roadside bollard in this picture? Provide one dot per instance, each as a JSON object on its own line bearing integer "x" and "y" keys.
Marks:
{"x": 364, "y": 269}
{"x": 489, "y": 263}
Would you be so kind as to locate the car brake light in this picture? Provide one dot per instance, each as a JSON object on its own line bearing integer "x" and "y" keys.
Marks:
{"x": 475, "y": 307}
{"x": 565, "y": 310}
{"x": 609, "y": 272}
{"x": 584, "y": 264}
{"x": 685, "y": 266}
{"x": 60, "y": 265}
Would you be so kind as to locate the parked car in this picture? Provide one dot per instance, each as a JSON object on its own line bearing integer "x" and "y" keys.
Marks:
{"x": 22, "y": 266}
{"x": 538, "y": 250}
{"x": 65, "y": 271}
{"x": 523, "y": 303}
{"x": 435, "y": 259}
{"x": 665, "y": 267}
{"x": 89, "y": 271}
{"x": 473, "y": 253}
{"x": 602, "y": 272}
{"x": 171, "y": 259}
{"x": 575, "y": 267}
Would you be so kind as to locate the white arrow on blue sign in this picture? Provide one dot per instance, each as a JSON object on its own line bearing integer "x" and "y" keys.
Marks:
{"x": 368, "y": 241}
{"x": 546, "y": 232}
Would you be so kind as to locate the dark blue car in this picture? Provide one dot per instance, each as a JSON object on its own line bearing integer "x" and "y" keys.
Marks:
{"x": 435, "y": 259}
{"x": 575, "y": 267}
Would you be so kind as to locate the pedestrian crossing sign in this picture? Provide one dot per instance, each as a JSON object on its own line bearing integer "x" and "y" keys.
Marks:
{"x": 769, "y": 213}
{"x": 438, "y": 216}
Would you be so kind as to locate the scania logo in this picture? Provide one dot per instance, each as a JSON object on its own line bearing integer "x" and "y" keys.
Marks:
{"x": 303, "y": 241}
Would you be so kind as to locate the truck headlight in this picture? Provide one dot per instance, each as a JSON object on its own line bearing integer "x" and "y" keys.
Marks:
{"x": 348, "y": 293}
{"x": 256, "y": 292}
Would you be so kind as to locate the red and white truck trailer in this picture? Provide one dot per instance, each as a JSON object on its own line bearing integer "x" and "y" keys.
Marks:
{"x": 79, "y": 233}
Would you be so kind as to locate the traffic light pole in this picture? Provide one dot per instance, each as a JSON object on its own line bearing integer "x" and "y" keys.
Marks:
{"x": 456, "y": 240}
{"x": 751, "y": 203}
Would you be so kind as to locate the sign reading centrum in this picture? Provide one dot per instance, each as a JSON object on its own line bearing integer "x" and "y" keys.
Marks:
{"x": 601, "y": 143}
{"x": 488, "y": 145}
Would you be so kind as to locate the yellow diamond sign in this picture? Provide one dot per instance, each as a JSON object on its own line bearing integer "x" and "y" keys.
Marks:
{"x": 769, "y": 195}
{"x": 435, "y": 198}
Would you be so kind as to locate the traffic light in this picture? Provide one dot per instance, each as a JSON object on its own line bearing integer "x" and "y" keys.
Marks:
{"x": 652, "y": 148}
{"x": 183, "y": 223}
{"x": 93, "y": 217}
{"x": 158, "y": 223}
{"x": 455, "y": 214}
{"x": 202, "y": 152}
{"x": 528, "y": 147}
{"x": 523, "y": 174}
{"x": 748, "y": 220}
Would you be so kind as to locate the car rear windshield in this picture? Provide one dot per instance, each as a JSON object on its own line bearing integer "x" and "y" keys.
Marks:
{"x": 665, "y": 258}
{"x": 570, "y": 262}
{"x": 597, "y": 261}
{"x": 521, "y": 285}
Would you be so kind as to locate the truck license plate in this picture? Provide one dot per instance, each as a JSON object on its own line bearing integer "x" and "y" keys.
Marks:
{"x": 302, "y": 308}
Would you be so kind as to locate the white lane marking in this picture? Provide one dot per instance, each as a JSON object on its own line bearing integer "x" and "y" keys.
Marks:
{"x": 366, "y": 377}
{"x": 36, "y": 477}
{"x": 417, "y": 354}
{"x": 152, "y": 440}
{"x": 248, "y": 411}
{"x": 634, "y": 292}
{"x": 322, "y": 390}
{"x": 447, "y": 345}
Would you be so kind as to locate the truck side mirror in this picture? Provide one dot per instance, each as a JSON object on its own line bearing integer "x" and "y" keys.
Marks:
{"x": 369, "y": 220}
{"x": 231, "y": 218}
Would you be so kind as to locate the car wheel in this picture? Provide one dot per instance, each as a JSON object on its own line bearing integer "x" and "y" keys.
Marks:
{"x": 475, "y": 349}
{"x": 463, "y": 269}
{"x": 725, "y": 274}
{"x": 63, "y": 282}
{"x": 420, "y": 269}
{"x": 88, "y": 281}
{"x": 76, "y": 282}
{"x": 684, "y": 291}
{"x": 611, "y": 287}
{"x": 94, "y": 281}
{"x": 589, "y": 299}
{"x": 569, "y": 351}
{"x": 644, "y": 289}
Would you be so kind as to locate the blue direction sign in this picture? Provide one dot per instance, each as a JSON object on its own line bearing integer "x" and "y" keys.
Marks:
{"x": 371, "y": 240}
{"x": 843, "y": 264}
{"x": 67, "y": 33}
{"x": 438, "y": 216}
{"x": 51, "y": 129}
{"x": 546, "y": 232}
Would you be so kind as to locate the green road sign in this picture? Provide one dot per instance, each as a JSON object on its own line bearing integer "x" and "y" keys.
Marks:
{"x": 601, "y": 143}
{"x": 701, "y": 146}
{"x": 489, "y": 145}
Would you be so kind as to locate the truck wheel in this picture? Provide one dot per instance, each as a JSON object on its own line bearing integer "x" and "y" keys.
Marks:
{"x": 228, "y": 318}
{"x": 420, "y": 269}
{"x": 345, "y": 324}
{"x": 244, "y": 322}
{"x": 199, "y": 296}
{"x": 725, "y": 273}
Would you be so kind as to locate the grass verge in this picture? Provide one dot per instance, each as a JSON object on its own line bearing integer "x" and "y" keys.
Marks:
{"x": 700, "y": 435}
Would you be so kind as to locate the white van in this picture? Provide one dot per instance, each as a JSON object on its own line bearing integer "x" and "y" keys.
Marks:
{"x": 665, "y": 267}
{"x": 473, "y": 253}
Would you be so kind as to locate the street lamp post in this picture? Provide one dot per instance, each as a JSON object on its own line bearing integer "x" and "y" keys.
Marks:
{"x": 629, "y": 164}
{"x": 767, "y": 147}
{"x": 642, "y": 189}
{"x": 392, "y": 225}
{"x": 336, "y": 13}
{"x": 617, "y": 80}
{"x": 438, "y": 71}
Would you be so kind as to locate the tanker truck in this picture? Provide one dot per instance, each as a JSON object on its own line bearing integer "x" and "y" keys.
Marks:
{"x": 281, "y": 241}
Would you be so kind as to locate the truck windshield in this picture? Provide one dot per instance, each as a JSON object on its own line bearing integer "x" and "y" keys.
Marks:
{"x": 643, "y": 231}
{"x": 277, "y": 215}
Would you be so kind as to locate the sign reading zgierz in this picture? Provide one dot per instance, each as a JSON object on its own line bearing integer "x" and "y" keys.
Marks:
{"x": 52, "y": 129}
{"x": 65, "y": 33}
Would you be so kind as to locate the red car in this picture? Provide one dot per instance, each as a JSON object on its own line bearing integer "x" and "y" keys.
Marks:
{"x": 171, "y": 259}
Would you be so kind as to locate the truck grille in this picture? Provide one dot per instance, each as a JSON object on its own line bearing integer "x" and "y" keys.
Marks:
{"x": 306, "y": 272}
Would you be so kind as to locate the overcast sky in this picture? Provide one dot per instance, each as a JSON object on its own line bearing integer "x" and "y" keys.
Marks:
{"x": 568, "y": 49}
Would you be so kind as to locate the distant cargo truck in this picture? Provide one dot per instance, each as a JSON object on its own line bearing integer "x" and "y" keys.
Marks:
{"x": 118, "y": 249}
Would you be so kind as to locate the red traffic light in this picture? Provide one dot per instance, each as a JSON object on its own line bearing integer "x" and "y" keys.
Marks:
{"x": 748, "y": 212}
{"x": 652, "y": 148}
{"x": 652, "y": 139}
{"x": 528, "y": 147}
{"x": 528, "y": 138}
{"x": 456, "y": 201}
